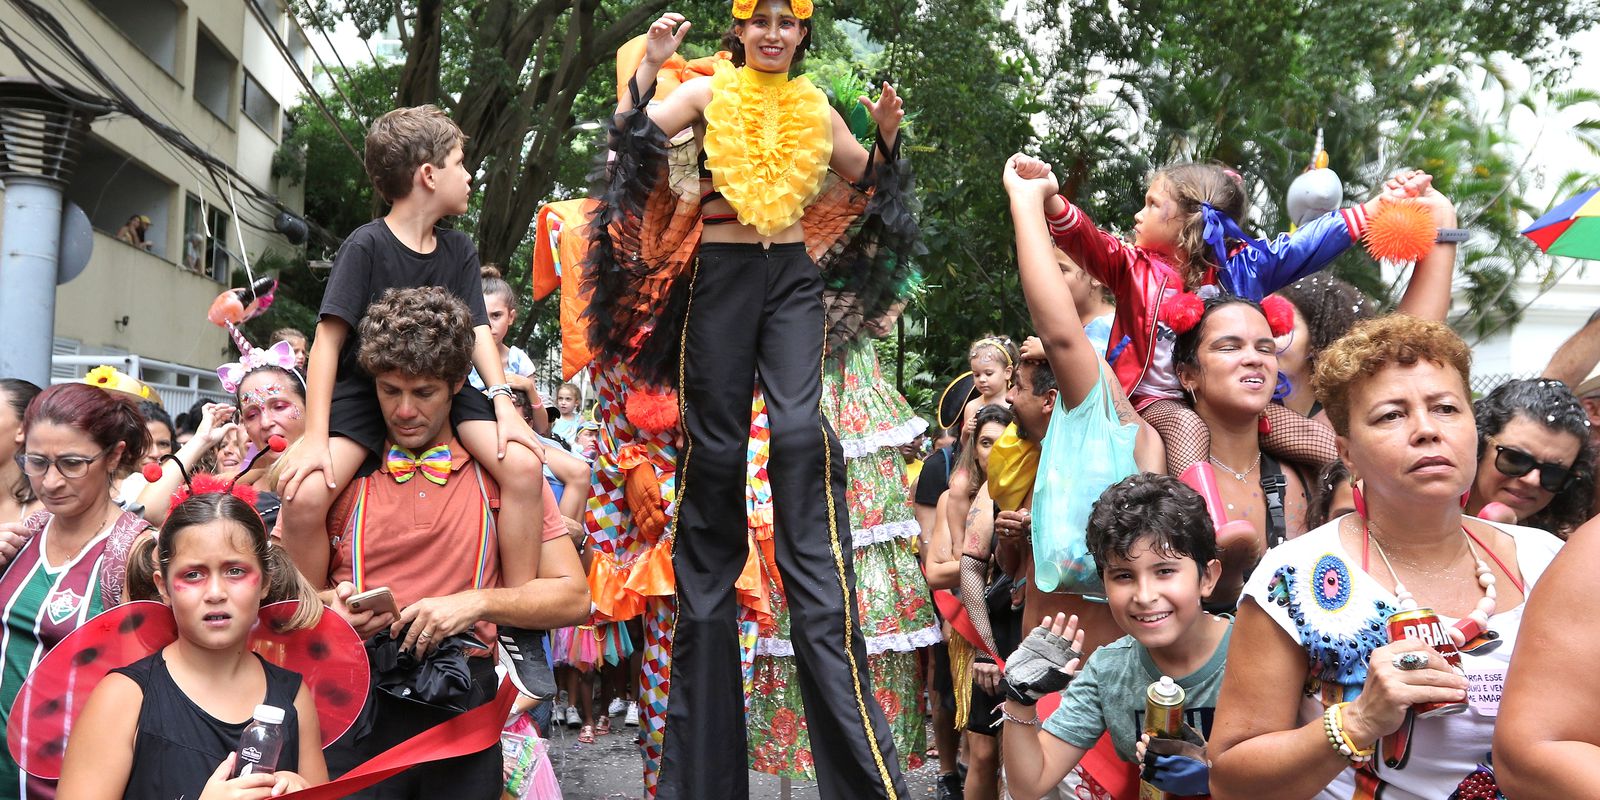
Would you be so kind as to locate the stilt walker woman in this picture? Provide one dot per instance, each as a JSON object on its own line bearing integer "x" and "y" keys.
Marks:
{"x": 710, "y": 284}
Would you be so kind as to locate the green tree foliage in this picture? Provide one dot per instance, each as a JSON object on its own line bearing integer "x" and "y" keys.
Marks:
{"x": 1104, "y": 91}
{"x": 1249, "y": 83}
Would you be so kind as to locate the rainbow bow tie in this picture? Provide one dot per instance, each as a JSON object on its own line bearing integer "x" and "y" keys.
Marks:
{"x": 434, "y": 463}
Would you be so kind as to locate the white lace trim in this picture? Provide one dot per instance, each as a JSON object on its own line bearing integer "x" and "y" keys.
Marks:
{"x": 890, "y": 642}
{"x": 860, "y": 446}
{"x": 888, "y": 532}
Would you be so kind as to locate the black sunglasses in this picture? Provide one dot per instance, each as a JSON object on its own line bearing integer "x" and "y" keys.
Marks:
{"x": 1514, "y": 463}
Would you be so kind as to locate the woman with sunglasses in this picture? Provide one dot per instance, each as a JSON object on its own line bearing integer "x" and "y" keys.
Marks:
{"x": 77, "y": 440}
{"x": 1534, "y": 456}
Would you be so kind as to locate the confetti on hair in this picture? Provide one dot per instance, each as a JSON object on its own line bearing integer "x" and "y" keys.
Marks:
{"x": 653, "y": 413}
{"x": 1280, "y": 315}
{"x": 1401, "y": 232}
{"x": 1182, "y": 312}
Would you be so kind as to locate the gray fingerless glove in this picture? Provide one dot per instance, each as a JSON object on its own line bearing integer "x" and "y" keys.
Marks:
{"x": 1038, "y": 667}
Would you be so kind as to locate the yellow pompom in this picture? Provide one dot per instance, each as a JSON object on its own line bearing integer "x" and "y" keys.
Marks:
{"x": 1402, "y": 230}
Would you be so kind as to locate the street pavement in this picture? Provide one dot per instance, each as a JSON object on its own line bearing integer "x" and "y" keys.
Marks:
{"x": 610, "y": 769}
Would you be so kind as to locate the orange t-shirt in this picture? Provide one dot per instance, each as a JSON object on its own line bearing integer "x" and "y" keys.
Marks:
{"x": 421, "y": 539}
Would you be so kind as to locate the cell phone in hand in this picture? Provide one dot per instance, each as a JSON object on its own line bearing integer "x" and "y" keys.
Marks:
{"x": 379, "y": 601}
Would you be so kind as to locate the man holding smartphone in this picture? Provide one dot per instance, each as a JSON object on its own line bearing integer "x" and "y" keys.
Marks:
{"x": 422, "y": 525}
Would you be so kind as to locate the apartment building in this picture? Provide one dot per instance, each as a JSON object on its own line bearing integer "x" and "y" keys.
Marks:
{"x": 210, "y": 69}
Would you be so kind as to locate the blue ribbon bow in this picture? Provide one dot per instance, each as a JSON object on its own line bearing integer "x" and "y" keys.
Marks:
{"x": 1219, "y": 228}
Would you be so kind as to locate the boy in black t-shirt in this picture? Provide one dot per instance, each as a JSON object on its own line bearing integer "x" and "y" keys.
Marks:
{"x": 414, "y": 158}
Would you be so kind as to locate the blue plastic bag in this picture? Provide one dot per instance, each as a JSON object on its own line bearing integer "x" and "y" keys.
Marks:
{"x": 1086, "y": 450}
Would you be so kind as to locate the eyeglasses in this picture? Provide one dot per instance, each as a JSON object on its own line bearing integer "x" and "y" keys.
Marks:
{"x": 1514, "y": 463}
{"x": 35, "y": 466}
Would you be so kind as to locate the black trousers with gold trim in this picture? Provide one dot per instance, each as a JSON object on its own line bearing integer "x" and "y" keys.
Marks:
{"x": 760, "y": 309}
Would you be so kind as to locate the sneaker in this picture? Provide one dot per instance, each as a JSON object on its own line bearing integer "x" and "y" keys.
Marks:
{"x": 949, "y": 787}
{"x": 522, "y": 654}
{"x": 632, "y": 719}
{"x": 574, "y": 719}
{"x": 618, "y": 705}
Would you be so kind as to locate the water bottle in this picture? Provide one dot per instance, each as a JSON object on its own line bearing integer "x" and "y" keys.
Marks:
{"x": 261, "y": 743}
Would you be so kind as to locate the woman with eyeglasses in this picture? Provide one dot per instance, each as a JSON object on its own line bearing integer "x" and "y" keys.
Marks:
{"x": 1534, "y": 457}
{"x": 77, "y": 440}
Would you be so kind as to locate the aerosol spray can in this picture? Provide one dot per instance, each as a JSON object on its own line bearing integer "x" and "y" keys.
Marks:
{"x": 1422, "y": 623}
{"x": 1163, "y": 715}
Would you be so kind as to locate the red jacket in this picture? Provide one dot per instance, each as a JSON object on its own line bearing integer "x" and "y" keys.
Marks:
{"x": 1140, "y": 279}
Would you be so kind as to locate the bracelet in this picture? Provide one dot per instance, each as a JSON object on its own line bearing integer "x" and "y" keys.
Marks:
{"x": 1005, "y": 716}
{"x": 1452, "y": 235}
{"x": 498, "y": 390}
{"x": 1333, "y": 726}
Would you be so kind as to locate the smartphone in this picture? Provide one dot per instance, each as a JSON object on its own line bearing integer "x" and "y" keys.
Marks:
{"x": 379, "y": 601}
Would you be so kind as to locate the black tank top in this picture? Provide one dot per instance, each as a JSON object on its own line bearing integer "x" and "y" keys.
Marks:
{"x": 179, "y": 745}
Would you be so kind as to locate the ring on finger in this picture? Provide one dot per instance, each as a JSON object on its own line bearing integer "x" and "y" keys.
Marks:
{"x": 427, "y": 635}
{"x": 1410, "y": 661}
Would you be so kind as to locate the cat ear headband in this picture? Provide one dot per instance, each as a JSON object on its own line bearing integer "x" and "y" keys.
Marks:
{"x": 280, "y": 355}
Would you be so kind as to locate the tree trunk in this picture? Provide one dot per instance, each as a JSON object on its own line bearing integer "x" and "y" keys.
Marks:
{"x": 419, "y": 79}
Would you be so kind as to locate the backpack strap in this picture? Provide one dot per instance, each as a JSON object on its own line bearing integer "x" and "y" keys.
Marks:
{"x": 35, "y": 523}
{"x": 114, "y": 569}
{"x": 1273, "y": 487}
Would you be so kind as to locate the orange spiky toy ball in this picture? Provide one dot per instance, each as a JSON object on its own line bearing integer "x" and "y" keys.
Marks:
{"x": 1401, "y": 231}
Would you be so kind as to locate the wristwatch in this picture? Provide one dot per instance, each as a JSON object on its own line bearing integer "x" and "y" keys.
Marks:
{"x": 1452, "y": 235}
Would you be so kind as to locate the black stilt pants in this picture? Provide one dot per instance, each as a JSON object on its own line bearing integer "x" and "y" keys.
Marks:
{"x": 753, "y": 309}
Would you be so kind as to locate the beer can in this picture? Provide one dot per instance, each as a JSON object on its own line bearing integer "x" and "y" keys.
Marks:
{"x": 1423, "y": 624}
{"x": 1163, "y": 715}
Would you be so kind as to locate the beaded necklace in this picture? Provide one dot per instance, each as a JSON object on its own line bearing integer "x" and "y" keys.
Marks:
{"x": 1476, "y": 622}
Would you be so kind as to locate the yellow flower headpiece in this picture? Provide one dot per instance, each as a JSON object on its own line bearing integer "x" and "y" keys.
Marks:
{"x": 742, "y": 9}
{"x": 114, "y": 380}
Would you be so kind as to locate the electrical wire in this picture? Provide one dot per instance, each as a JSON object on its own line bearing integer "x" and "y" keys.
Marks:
{"x": 294, "y": 66}
{"x": 346, "y": 70}
{"x": 114, "y": 99}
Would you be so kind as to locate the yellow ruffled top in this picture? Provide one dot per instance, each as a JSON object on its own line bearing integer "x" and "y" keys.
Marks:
{"x": 768, "y": 142}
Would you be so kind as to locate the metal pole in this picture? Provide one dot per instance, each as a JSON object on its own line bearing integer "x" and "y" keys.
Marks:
{"x": 41, "y": 130}
{"x": 30, "y": 246}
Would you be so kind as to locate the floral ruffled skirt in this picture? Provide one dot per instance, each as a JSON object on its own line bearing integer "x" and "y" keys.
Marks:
{"x": 893, "y": 601}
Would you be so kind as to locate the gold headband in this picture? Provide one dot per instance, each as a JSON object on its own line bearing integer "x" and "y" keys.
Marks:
{"x": 742, "y": 9}
{"x": 996, "y": 343}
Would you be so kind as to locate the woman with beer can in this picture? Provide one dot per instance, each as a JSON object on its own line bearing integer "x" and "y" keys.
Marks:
{"x": 1369, "y": 653}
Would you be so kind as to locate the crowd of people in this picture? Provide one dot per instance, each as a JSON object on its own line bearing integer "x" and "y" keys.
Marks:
{"x": 1203, "y": 435}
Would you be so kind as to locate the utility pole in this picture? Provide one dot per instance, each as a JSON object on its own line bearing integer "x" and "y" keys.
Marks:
{"x": 41, "y": 130}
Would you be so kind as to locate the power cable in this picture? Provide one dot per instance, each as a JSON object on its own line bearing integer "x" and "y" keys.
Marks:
{"x": 346, "y": 70}
{"x": 311, "y": 91}
{"x": 117, "y": 101}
